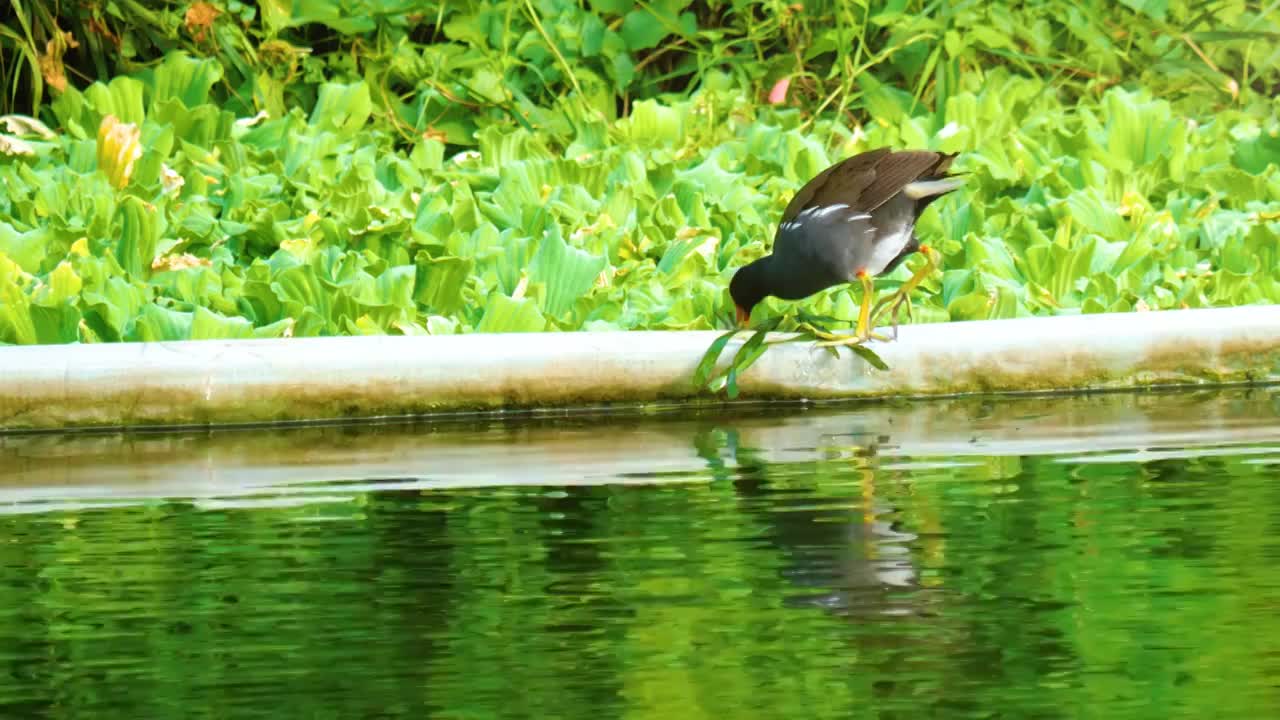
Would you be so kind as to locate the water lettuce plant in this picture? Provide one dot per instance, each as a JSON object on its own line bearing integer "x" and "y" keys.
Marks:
{"x": 546, "y": 166}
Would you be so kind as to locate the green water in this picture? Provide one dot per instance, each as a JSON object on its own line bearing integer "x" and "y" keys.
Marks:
{"x": 1110, "y": 557}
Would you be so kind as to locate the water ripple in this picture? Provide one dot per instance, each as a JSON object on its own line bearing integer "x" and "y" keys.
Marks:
{"x": 1019, "y": 558}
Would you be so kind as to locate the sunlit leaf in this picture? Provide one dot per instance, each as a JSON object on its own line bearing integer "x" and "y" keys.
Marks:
{"x": 27, "y": 249}
{"x": 439, "y": 282}
{"x": 566, "y": 272}
{"x": 157, "y": 324}
{"x": 502, "y": 314}
{"x": 186, "y": 79}
{"x": 342, "y": 108}
{"x": 139, "y": 228}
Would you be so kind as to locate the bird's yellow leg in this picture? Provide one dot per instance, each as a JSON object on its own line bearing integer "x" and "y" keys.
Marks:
{"x": 862, "y": 332}
{"x": 864, "y": 311}
{"x": 899, "y": 296}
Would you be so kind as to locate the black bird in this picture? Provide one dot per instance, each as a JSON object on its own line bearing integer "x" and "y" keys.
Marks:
{"x": 854, "y": 221}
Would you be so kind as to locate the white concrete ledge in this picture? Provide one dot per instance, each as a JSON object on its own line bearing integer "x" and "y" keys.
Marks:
{"x": 311, "y": 379}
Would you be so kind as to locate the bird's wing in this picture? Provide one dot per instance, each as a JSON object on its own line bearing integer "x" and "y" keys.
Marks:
{"x": 866, "y": 181}
{"x": 836, "y": 184}
{"x": 894, "y": 172}
{"x": 826, "y": 242}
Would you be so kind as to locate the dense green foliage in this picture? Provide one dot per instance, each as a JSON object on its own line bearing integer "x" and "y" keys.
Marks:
{"x": 314, "y": 167}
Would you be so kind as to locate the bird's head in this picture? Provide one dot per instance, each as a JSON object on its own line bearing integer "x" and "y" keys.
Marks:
{"x": 747, "y": 288}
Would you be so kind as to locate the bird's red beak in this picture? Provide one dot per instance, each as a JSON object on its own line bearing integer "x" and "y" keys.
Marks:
{"x": 743, "y": 316}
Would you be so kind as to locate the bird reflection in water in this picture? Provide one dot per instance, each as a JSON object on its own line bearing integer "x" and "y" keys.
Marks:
{"x": 842, "y": 551}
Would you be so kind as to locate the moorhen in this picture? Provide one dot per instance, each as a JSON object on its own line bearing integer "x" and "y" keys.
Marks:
{"x": 854, "y": 221}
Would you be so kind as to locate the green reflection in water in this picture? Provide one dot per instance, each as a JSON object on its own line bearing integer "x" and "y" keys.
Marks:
{"x": 1112, "y": 556}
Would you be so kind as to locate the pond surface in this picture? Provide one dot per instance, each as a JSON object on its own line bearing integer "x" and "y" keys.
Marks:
{"x": 1111, "y": 556}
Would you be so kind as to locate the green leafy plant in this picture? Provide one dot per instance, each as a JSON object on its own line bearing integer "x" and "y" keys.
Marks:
{"x": 371, "y": 167}
{"x": 806, "y": 328}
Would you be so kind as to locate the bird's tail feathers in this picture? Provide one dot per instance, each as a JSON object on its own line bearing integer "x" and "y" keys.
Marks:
{"x": 932, "y": 188}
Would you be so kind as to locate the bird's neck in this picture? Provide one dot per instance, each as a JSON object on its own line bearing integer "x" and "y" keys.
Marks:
{"x": 763, "y": 269}
{"x": 767, "y": 273}
{"x": 789, "y": 277}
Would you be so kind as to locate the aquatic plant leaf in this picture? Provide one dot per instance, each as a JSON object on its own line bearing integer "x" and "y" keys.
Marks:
{"x": 139, "y": 232}
{"x": 121, "y": 98}
{"x": 27, "y": 249}
{"x": 746, "y": 356}
{"x": 16, "y": 325}
{"x": 439, "y": 281}
{"x": 503, "y": 314}
{"x": 873, "y": 359}
{"x": 394, "y": 287}
{"x": 1095, "y": 214}
{"x": 209, "y": 325}
{"x": 1071, "y": 265}
{"x": 185, "y": 79}
{"x": 1138, "y": 131}
{"x": 343, "y": 108}
{"x": 63, "y": 286}
{"x": 651, "y": 123}
{"x": 111, "y": 306}
{"x": 157, "y": 324}
{"x": 567, "y": 272}
{"x": 702, "y": 373}
{"x": 1260, "y": 152}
